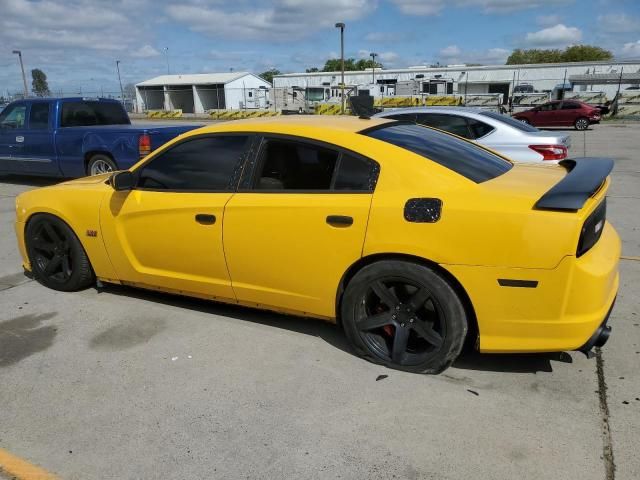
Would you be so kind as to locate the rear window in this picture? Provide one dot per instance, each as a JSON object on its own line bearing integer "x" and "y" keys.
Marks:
{"x": 465, "y": 158}
{"x": 524, "y": 127}
{"x": 85, "y": 114}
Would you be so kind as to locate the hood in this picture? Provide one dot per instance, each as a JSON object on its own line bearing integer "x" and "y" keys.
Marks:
{"x": 92, "y": 180}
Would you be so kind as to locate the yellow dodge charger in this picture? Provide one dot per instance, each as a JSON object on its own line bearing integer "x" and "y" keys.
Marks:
{"x": 412, "y": 239}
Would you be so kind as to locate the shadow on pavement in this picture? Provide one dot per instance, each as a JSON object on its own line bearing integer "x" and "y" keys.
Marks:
{"x": 30, "y": 180}
{"x": 333, "y": 335}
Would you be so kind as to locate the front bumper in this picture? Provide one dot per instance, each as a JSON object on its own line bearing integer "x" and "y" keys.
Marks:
{"x": 562, "y": 312}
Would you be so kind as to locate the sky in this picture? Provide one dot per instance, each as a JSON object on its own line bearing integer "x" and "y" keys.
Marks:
{"x": 77, "y": 42}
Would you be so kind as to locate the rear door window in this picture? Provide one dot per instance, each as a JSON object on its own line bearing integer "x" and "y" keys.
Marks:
{"x": 39, "y": 116}
{"x": 88, "y": 113}
{"x": 479, "y": 129}
{"x": 464, "y": 158}
{"x": 449, "y": 123}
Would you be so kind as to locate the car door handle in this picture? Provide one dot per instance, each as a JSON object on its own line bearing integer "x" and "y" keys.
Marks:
{"x": 205, "y": 219}
{"x": 340, "y": 220}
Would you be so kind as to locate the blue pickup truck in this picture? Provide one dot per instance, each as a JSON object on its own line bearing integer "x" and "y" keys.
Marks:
{"x": 74, "y": 137}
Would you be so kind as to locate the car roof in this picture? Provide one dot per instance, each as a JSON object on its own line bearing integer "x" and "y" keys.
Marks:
{"x": 394, "y": 111}
{"x": 342, "y": 123}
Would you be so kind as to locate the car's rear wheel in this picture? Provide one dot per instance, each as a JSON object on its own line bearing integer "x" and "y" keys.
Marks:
{"x": 99, "y": 164}
{"x": 57, "y": 257}
{"x": 405, "y": 316}
{"x": 581, "y": 123}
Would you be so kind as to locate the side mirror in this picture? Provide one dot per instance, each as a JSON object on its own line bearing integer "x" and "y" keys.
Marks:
{"x": 121, "y": 181}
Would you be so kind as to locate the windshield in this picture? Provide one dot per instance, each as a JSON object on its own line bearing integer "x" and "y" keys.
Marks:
{"x": 315, "y": 94}
{"x": 524, "y": 127}
{"x": 87, "y": 113}
{"x": 462, "y": 157}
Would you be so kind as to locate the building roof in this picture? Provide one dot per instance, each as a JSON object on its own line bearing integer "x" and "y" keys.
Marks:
{"x": 605, "y": 78}
{"x": 457, "y": 68}
{"x": 193, "y": 79}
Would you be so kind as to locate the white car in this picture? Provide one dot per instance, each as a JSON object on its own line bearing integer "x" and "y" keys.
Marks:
{"x": 512, "y": 138}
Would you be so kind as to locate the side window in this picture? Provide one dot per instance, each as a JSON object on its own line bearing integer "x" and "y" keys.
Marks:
{"x": 546, "y": 107}
{"x": 355, "y": 173}
{"x": 479, "y": 129}
{"x": 569, "y": 106}
{"x": 202, "y": 164}
{"x": 448, "y": 123}
{"x": 39, "y": 116}
{"x": 294, "y": 165}
{"x": 13, "y": 117}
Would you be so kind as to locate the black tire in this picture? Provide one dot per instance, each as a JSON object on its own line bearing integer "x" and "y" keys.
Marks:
{"x": 581, "y": 123}
{"x": 99, "y": 164}
{"x": 391, "y": 303}
{"x": 57, "y": 258}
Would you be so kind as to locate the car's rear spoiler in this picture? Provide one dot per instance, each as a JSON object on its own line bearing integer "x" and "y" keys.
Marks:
{"x": 584, "y": 178}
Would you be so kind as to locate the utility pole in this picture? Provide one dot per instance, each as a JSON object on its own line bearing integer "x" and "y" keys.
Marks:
{"x": 340, "y": 25}
{"x": 24, "y": 78}
{"x": 166, "y": 52}
{"x": 373, "y": 56}
{"x": 120, "y": 81}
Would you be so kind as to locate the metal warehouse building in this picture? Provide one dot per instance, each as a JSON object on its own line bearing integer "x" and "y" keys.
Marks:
{"x": 463, "y": 80}
{"x": 198, "y": 93}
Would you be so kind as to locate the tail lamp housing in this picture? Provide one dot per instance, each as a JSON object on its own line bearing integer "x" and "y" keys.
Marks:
{"x": 144, "y": 145}
{"x": 551, "y": 152}
{"x": 592, "y": 229}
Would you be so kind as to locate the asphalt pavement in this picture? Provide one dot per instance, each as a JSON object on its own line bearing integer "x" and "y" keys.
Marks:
{"x": 123, "y": 383}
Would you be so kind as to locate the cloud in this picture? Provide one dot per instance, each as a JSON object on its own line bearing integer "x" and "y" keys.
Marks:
{"x": 618, "y": 23}
{"x": 452, "y": 51}
{"x": 146, "y": 51}
{"x": 284, "y": 20}
{"x": 557, "y": 36}
{"x": 384, "y": 37}
{"x": 434, "y": 7}
{"x": 631, "y": 49}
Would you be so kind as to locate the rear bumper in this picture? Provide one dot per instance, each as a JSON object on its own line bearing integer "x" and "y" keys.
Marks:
{"x": 562, "y": 312}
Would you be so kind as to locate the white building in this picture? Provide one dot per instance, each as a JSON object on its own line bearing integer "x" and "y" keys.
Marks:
{"x": 462, "y": 79}
{"x": 198, "y": 93}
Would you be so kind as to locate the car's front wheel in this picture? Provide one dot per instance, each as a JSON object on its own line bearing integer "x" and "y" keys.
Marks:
{"x": 57, "y": 257}
{"x": 525, "y": 121}
{"x": 405, "y": 316}
{"x": 581, "y": 123}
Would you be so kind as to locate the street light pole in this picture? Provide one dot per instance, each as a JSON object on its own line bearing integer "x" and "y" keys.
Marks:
{"x": 340, "y": 25}
{"x": 24, "y": 78}
{"x": 166, "y": 51}
{"x": 120, "y": 81}
{"x": 373, "y": 67}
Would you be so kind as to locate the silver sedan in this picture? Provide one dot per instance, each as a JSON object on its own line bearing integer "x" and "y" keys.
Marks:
{"x": 513, "y": 139}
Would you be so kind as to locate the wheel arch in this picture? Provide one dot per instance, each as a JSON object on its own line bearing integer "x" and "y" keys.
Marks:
{"x": 92, "y": 153}
{"x": 473, "y": 329}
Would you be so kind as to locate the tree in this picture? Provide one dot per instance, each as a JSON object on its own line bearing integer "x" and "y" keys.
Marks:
{"x": 39, "y": 85}
{"x": 576, "y": 53}
{"x": 269, "y": 74}
{"x": 312, "y": 70}
{"x": 585, "y": 53}
{"x": 350, "y": 65}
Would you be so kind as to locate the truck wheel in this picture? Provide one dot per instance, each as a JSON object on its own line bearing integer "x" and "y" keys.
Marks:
{"x": 99, "y": 164}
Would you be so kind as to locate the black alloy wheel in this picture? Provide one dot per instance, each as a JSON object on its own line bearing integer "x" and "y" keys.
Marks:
{"x": 405, "y": 316}
{"x": 56, "y": 255}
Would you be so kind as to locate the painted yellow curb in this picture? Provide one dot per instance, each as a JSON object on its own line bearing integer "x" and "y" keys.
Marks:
{"x": 21, "y": 469}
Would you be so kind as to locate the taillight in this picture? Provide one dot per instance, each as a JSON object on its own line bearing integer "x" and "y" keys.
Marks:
{"x": 550, "y": 152}
{"x": 592, "y": 229}
{"x": 144, "y": 145}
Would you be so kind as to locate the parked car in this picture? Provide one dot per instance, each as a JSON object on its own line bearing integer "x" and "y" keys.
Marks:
{"x": 501, "y": 133}
{"x": 73, "y": 137}
{"x": 408, "y": 236}
{"x": 561, "y": 113}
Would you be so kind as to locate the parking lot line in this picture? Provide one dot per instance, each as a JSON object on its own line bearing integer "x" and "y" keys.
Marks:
{"x": 20, "y": 469}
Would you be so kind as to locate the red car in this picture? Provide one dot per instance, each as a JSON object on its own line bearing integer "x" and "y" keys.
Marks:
{"x": 561, "y": 113}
